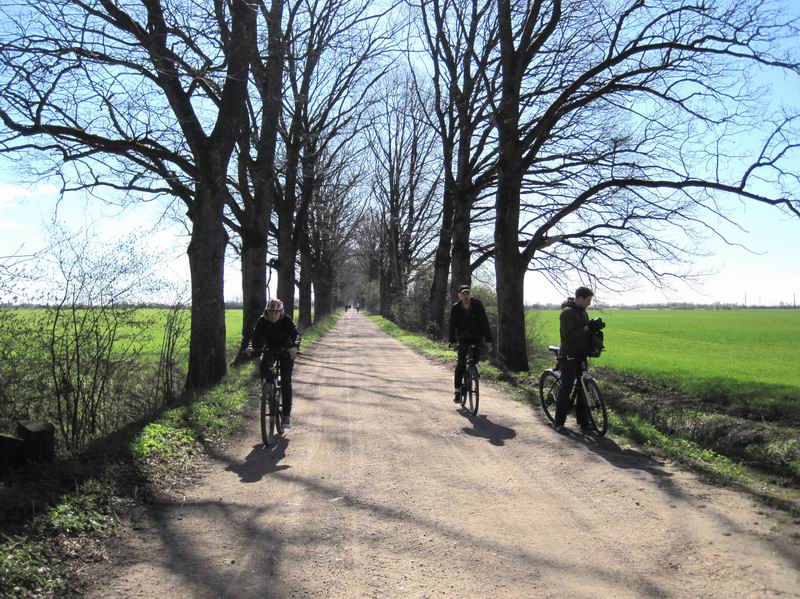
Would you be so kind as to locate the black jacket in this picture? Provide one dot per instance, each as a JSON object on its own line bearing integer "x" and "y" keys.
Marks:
{"x": 575, "y": 340}
{"x": 276, "y": 336}
{"x": 472, "y": 325}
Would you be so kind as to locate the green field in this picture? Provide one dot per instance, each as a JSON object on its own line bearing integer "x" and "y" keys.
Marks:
{"x": 733, "y": 356}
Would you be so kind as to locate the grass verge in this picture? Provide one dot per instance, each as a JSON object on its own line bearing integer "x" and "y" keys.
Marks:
{"x": 759, "y": 460}
{"x": 70, "y": 508}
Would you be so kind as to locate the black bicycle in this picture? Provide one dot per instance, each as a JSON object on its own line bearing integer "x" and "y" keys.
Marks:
{"x": 272, "y": 402}
{"x": 470, "y": 386}
{"x": 585, "y": 386}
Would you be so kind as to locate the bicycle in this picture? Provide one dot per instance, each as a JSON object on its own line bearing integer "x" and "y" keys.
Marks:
{"x": 550, "y": 385}
{"x": 272, "y": 402}
{"x": 470, "y": 385}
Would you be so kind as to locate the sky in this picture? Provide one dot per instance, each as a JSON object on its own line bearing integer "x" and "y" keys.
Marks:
{"x": 766, "y": 273}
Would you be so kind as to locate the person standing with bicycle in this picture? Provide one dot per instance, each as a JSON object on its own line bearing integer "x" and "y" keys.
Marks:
{"x": 576, "y": 335}
{"x": 468, "y": 325}
{"x": 276, "y": 333}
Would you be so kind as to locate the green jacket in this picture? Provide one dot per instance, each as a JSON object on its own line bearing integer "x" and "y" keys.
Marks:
{"x": 575, "y": 340}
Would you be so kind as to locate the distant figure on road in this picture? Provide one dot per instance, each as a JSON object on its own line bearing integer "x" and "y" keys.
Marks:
{"x": 276, "y": 333}
{"x": 576, "y": 340}
{"x": 468, "y": 325}
{"x": 358, "y": 306}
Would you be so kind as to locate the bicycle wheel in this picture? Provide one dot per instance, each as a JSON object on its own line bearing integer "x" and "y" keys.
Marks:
{"x": 278, "y": 394}
{"x": 549, "y": 386}
{"x": 266, "y": 397}
{"x": 473, "y": 390}
{"x": 597, "y": 407}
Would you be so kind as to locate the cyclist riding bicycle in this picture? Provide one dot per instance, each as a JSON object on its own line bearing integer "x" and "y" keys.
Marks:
{"x": 468, "y": 325}
{"x": 575, "y": 328}
{"x": 275, "y": 335}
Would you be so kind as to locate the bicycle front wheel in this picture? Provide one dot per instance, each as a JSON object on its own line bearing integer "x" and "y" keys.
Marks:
{"x": 278, "y": 394}
{"x": 266, "y": 393}
{"x": 549, "y": 387}
{"x": 473, "y": 390}
{"x": 597, "y": 407}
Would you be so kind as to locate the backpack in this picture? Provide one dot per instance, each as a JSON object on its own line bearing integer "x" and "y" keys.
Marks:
{"x": 596, "y": 346}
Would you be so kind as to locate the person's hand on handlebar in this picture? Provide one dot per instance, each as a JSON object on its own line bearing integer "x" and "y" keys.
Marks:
{"x": 249, "y": 351}
{"x": 293, "y": 352}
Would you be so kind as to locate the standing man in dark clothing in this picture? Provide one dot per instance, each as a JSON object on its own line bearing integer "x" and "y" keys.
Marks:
{"x": 469, "y": 325}
{"x": 575, "y": 346}
{"x": 276, "y": 333}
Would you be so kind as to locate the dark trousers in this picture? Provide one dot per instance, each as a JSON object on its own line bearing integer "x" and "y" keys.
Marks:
{"x": 461, "y": 361}
{"x": 571, "y": 369}
{"x": 287, "y": 366}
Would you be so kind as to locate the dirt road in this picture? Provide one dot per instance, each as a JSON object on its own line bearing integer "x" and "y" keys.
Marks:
{"x": 384, "y": 489}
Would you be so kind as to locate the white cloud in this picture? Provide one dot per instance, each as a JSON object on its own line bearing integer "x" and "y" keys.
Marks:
{"x": 12, "y": 194}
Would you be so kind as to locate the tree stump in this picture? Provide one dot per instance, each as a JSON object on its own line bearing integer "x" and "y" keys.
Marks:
{"x": 40, "y": 440}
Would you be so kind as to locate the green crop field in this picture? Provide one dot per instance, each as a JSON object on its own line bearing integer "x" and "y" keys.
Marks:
{"x": 151, "y": 323}
{"x": 738, "y": 356}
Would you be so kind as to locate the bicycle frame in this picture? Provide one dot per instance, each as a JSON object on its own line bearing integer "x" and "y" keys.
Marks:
{"x": 591, "y": 394}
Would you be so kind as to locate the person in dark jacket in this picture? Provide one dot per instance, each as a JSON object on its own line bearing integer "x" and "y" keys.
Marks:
{"x": 468, "y": 325}
{"x": 276, "y": 333}
{"x": 575, "y": 346}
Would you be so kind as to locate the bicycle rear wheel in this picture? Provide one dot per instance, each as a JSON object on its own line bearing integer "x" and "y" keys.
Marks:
{"x": 473, "y": 390}
{"x": 266, "y": 393}
{"x": 549, "y": 387}
{"x": 597, "y": 407}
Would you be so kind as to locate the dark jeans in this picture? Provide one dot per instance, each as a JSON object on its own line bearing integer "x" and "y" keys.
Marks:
{"x": 571, "y": 369}
{"x": 461, "y": 362}
{"x": 287, "y": 366}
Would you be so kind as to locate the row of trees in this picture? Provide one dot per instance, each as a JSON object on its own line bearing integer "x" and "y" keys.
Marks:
{"x": 409, "y": 142}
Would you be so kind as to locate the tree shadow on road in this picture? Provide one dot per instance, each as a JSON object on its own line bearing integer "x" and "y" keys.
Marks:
{"x": 496, "y": 434}
{"x": 617, "y": 456}
{"x": 261, "y": 461}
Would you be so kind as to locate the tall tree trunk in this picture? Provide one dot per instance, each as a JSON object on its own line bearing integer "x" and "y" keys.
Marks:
{"x": 512, "y": 348}
{"x": 385, "y": 292}
{"x": 254, "y": 284}
{"x": 441, "y": 262}
{"x": 206, "y": 253}
{"x": 304, "y": 313}
{"x": 461, "y": 273}
{"x": 510, "y": 265}
{"x": 323, "y": 293}
{"x": 287, "y": 259}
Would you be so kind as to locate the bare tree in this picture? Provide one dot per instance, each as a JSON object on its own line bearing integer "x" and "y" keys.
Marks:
{"x": 406, "y": 179}
{"x": 145, "y": 98}
{"x": 460, "y": 37}
{"x": 336, "y": 54}
{"x": 252, "y": 197}
{"x": 334, "y": 215}
{"x": 620, "y": 128}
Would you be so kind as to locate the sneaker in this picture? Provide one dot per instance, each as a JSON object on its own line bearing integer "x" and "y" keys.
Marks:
{"x": 287, "y": 421}
{"x": 457, "y": 397}
{"x": 558, "y": 428}
{"x": 587, "y": 428}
